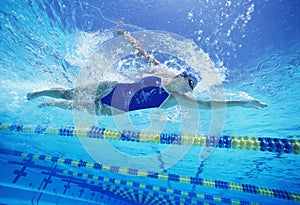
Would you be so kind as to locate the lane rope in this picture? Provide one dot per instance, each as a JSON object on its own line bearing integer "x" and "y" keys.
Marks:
{"x": 138, "y": 192}
{"x": 264, "y": 144}
{"x": 245, "y": 188}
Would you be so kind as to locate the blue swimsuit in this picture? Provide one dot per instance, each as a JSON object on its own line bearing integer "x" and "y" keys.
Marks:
{"x": 147, "y": 93}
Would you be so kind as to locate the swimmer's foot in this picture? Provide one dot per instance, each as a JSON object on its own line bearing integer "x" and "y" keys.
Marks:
{"x": 36, "y": 94}
{"x": 32, "y": 95}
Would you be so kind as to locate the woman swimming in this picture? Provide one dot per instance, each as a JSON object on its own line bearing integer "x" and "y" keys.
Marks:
{"x": 154, "y": 91}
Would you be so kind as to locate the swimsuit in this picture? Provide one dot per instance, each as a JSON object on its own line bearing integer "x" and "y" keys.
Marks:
{"x": 147, "y": 93}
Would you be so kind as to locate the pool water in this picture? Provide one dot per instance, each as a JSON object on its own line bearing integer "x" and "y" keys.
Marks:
{"x": 239, "y": 51}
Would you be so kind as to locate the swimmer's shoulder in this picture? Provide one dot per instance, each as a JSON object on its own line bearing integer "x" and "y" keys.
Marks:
{"x": 169, "y": 102}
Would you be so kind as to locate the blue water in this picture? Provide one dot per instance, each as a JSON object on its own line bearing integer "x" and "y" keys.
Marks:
{"x": 254, "y": 46}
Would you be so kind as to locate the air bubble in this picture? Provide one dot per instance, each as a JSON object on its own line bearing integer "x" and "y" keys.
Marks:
{"x": 228, "y": 3}
{"x": 200, "y": 32}
{"x": 190, "y": 15}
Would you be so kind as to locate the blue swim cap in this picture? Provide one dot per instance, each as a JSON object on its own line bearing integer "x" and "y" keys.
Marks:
{"x": 190, "y": 73}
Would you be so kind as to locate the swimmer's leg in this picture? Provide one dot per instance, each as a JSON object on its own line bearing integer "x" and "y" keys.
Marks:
{"x": 89, "y": 91}
{"x": 65, "y": 104}
{"x": 84, "y": 106}
{"x": 80, "y": 105}
{"x": 53, "y": 92}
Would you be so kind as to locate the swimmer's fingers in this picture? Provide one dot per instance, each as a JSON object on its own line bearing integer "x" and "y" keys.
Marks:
{"x": 260, "y": 104}
{"x": 254, "y": 104}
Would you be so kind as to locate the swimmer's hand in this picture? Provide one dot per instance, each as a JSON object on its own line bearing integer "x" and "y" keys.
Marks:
{"x": 253, "y": 104}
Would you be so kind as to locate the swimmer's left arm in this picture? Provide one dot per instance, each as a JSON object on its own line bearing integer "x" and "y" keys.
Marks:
{"x": 189, "y": 102}
{"x": 217, "y": 104}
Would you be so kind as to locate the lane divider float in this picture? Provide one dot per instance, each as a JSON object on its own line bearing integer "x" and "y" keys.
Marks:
{"x": 264, "y": 144}
{"x": 245, "y": 188}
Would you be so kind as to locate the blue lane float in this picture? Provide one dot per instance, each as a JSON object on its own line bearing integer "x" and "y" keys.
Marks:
{"x": 30, "y": 160}
{"x": 264, "y": 144}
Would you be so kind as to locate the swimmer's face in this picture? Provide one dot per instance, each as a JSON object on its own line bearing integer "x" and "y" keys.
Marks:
{"x": 181, "y": 84}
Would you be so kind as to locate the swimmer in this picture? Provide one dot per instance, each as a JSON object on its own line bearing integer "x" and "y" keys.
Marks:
{"x": 154, "y": 91}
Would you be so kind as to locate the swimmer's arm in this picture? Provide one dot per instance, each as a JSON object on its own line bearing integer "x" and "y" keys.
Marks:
{"x": 217, "y": 104}
{"x": 189, "y": 102}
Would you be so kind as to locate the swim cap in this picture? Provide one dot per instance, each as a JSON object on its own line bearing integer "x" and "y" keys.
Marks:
{"x": 190, "y": 73}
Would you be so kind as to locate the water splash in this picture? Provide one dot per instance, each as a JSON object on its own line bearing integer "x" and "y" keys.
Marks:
{"x": 85, "y": 45}
{"x": 222, "y": 25}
